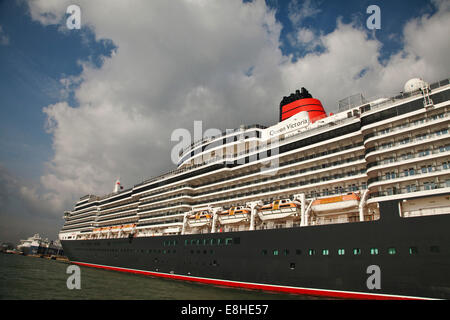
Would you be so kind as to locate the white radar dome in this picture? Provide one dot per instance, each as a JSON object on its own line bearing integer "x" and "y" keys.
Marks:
{"x": 414, "y": 84}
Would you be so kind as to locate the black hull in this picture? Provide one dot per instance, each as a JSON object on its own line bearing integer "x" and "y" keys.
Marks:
{"x": 419, "y": 268}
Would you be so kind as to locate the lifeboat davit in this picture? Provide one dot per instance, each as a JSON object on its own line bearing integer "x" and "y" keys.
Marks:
{"x": 234, "y": 215}
{"x": 199, "y": 219}
{"x": 336, "y": 203}
{"x": 279, "y": 209}
{"x": 301, "y": 101}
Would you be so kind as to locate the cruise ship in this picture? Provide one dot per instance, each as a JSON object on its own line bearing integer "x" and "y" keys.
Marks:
{"x": 352, "y": 205}
{"x": 36, "y": 245}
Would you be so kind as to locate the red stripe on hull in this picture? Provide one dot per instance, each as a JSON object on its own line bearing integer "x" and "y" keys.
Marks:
{"x": 257, "y": 286}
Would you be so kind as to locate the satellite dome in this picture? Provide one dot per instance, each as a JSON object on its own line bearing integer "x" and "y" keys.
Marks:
{"x": 414, "y": 84}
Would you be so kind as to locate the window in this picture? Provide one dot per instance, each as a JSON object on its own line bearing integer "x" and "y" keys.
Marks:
{"x": 434, "y": 249}
{"x": 374, "y": 251}
{"x": 286, "y": 252}
{"x": 311, "y": 252}
{"x": 325, "y": 252}
{"x": 275, "y": 252}
{"x": 356, "y": 251}
{"x": 404, "y": 141}
{"x": 429, "y": 185}
{"x": 341, "y": 252}
{"x": 264, "y": 252}
{"x": 392, "y": 251}
{"x": 413, "y": 250}
{"x": 228, "y": 241}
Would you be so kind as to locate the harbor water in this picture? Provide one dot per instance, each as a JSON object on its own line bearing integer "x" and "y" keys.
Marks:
{"x": 31, "y": 278}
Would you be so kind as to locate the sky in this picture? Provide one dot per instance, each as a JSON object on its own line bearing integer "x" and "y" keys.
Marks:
{"x": 81, "y": 107}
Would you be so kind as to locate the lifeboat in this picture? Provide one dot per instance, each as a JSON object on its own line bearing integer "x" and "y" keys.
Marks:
{"x": 234, "y": 215}
{"x": 336, "y": 203}
{"x": 279, "y": 209}
{"x": 127, "y": 226}
{"x": 199, "y": 219}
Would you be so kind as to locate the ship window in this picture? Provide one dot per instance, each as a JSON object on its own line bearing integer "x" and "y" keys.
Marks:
{"x": 213, "y": 241}
{"x": 286, "y": 252}
{"x": 325, "y": 252}
{"x": 186, "y": 242}
{"x": 311, "y": 252}
{"x": 264, "y": 252}
{"x": 434, "y": 249}
{"x": 228, "y": 241}
{"x": 192, "y": 241}
{"x": 275, "y": 252}
{"x": 356, "y": 251}
{"x": 413, "y": 250}
{"x": 392, "y": 251}
{"x": 373, "y": 251}
{"x": 292, "y": 266}
{"x": 341, "y": 252}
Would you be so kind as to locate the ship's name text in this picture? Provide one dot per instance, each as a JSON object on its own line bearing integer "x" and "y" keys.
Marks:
{"x": 290, "y": 126}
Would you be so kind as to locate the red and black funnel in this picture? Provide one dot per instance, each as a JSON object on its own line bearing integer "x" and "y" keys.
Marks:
{"x": 301, "y": 101}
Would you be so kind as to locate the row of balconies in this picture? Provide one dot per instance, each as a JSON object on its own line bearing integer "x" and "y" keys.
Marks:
{"x": 354, "y": 162}
{"x": 408, "y": 142}
{"x": 406, "y": 127}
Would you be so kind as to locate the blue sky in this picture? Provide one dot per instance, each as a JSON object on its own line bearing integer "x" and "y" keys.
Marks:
{"x": 32, "y": 64}
{"x": 132, "y": 91}
{"x": 38, "y": 56}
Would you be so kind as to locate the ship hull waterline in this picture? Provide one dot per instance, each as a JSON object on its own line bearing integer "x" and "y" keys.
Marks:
{"x": 299, "y": 260}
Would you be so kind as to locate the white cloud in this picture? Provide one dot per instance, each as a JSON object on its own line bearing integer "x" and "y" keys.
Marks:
{"x": 4, "y": 39}
{"x": 177, "y": 62}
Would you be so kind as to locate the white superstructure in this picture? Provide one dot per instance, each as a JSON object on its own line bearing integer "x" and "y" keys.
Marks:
{"x": 388, "y": 148}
